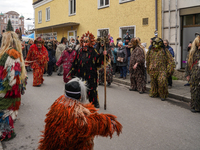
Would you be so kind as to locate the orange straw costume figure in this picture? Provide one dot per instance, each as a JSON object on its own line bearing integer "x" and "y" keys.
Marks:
{"x": 72, "y": 125}
{"x": 37, "y": 57}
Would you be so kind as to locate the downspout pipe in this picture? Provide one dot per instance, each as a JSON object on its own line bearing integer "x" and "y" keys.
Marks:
{"x": 162, "y": 19}
{"x": 176, "y": 43}
{"x": 156, "y": 18}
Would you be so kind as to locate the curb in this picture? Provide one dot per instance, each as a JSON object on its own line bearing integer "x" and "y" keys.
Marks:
{"x": 148, "y": 87}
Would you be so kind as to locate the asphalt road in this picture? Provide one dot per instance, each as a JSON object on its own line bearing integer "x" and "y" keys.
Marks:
{"x": 148, "y": 123}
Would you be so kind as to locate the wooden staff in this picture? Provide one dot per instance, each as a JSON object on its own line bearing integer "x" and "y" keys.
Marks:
{"x": 105, "y": 34}
{"x": 105, "y": 76}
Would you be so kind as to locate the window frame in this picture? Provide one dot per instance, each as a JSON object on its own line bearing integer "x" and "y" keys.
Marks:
{"x": 105, "y": 6}
{"x": 48, "y": 8}
{"x": 127, "y": 27}
{"x": 39, "y": 21}
{"x": 126, "y": 1}
{"x": 73, "y": 6}
{"x": 98, "y": 31}
{"x": 193, "y": 24}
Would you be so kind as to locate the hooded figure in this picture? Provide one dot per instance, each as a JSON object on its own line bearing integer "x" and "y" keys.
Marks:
{"x": 72, "y": 125}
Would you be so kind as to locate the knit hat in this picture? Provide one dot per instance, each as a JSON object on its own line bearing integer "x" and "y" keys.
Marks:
{"x": 76, "y": 89}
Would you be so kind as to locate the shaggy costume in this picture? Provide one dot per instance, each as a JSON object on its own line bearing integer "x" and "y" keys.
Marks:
{"x": 160, "y": 65}
{"x": 59, "y": 50}
{"x": 194, "y": 72}
{"x": 85, "y": 66}
{"x": 109, "y": 71}
{"x": 137, "y": 76}
{"x": 72, "y": 125}
{"x": 38, "y": 59}
{"x": 11, "y": 88}
{"x": 67, "y": 58}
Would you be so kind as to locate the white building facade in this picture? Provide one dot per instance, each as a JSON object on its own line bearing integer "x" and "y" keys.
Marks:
{"x": 180, "y": 22}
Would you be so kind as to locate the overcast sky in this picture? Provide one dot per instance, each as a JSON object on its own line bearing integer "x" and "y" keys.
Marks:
{"x": 22, "y": 7}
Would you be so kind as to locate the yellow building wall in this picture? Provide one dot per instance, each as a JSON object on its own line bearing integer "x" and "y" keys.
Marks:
{"x": 91, "y": 18}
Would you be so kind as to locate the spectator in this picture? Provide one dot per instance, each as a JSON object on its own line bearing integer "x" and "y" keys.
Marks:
{"x": 151, "y": 40}
{"x": 166, "y": 43}
{"x": 77, "y": 41}
{"x": 1, "y": 37}
{"x": 147, "y": 77}
{"x": 122, "y": 60}
{"x": 114, "y": 58}
{"x": 30, "y": 42}
{"x": 127, "y": 40}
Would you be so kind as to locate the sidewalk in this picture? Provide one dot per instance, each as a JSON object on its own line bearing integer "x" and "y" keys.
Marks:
{"x": 178, "y": 90}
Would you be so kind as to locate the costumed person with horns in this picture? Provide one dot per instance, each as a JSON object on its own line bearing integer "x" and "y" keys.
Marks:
{"x": 160, "y": 65}
{"x": 72, "y": 124}
{"x": 86, "y": 64}
{"x": 38, "y": 58}
{"x": 137, "y": 67}
{"x": 12, "y": 83}
{"x": 193, "y": 74}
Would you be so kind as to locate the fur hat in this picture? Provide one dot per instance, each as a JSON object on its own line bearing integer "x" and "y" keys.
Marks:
{"x": 39, "y": 40}
{"x": 76, "y": 89}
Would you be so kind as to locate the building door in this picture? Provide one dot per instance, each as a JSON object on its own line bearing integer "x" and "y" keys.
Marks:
{"x": 191, "y": 25}
{"x": 71, "y": 34}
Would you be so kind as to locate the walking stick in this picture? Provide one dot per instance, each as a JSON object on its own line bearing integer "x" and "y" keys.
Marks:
{"x": 105, "y": 77}
{"x": 105, "y": 39}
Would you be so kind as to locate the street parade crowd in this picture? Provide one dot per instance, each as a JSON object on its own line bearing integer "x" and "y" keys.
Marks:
{"x": 80, "y": 62}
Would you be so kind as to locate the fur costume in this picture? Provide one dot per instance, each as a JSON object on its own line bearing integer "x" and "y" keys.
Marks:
{"x": 160, "y": 65}
{"x": 38, "y": 59}
{"x": 72, "y": 125}
{"x": 86, "y": 64}
{"x": 193, "y": 71}
{"x": 109, "y": 71}
{"x": 137, "y": 76}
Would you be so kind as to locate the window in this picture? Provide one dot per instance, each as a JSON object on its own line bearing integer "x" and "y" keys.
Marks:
{"x": 12, "y": 16}
{"x": 72, "y": 7}
{"x": 145, "y": 21}
{"x": 188, "y": 20}
{"x": 48, "y": 14}
{"x": 12, "y": 22}
{"x": 16, "y": 22}
{"x": 39, "y": 16}
{"x": 100, "y": 32}
{"x": 124, "y": 1}
{"x": 191, "y": 20}
{"x": 16, "y": 17}
{"x": 123, "y": 30}
{"x": 197, "y": 19}
{"x": 103, "y": 3}
{"x": 4, "y": 20}
{"x": 47, "y": 36}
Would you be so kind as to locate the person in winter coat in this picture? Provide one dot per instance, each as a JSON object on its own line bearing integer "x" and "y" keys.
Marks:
{"x": 122, "y": 60}
{"x": 67, "y": 58}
